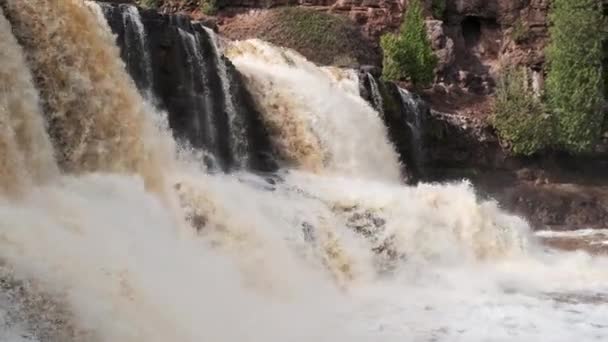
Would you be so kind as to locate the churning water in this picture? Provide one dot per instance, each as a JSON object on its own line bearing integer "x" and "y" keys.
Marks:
{"x": 134, "y": 241}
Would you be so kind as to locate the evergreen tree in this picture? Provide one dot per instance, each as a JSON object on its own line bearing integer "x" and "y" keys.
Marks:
{"x": 519, "y": 115}
{"x": 409, "y": 55}
{"x": 574, "y": 83}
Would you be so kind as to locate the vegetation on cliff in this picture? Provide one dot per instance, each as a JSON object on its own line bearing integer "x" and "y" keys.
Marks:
{"x": 519, "y": 115}
{"x": 574, "y": 83}
{"x": 321, "y": 37}
{"x": 209, "y": 7}
{"x": 438, "y": 8}
{"x": 569, "y": 117}
{"x": 147, "y": 3}
{"x": 409, "y": 55}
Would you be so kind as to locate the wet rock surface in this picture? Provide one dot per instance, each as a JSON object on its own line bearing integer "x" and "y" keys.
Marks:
{"x": 207, "y": 104}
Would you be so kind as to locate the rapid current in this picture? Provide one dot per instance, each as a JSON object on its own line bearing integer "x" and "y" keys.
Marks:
{"x": 113, "y": 230}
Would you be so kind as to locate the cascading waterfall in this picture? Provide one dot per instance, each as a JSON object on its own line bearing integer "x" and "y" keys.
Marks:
{"x": 416, "y": 124}
{"x": 313, "y": 126}
{"x": 238, "y": 136}
{"x": 344, "y": 253}
{"x": 376, "y": 96}
{"x": 204, "y": 125}
{"x": 96, "y": 116}
{"x": 404, "y": 115}
{"x": 203, "y": 95}
{"x": 26, "y": 153}
{"x": 136, "y": 54}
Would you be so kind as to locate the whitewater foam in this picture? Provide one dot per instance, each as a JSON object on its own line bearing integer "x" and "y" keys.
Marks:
{"x": 26, "y": 154}
{"x": 96, "y": 116}
{"x": 312, "y": 118}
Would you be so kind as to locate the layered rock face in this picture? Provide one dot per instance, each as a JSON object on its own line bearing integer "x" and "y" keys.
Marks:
{"x": 478, "y": 38}
{"x": 374, "y": 16}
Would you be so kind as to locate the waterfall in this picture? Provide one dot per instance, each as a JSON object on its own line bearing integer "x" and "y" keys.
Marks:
{"x": 91, "y": 250}
{"x": 404, "y": 114}
{"x": 26, "y": 153}
{"x": 238, "y": 141}
{"x": 415, "y": 121}
{"x": 133, "y": 36}
{"x": 203, "y": 126}
{"x": 95, "y": 115}
{"x": 312, "y": 117}
{"x": 375, "y": 94}
{"x": 207, "y": 106}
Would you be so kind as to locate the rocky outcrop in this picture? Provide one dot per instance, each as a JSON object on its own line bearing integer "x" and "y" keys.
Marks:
{"x": 553, "y": 190}
{"x": 373, "y": 16}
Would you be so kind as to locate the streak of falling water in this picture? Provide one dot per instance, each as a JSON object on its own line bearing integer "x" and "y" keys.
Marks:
{"x": 238, "y": 135}
{"x": 139, "y": 53}
{"x": 97, "y": 119}
{"x": 26, "y": 153}
{"x": 312, "y": 117}
{"x": 416, "y": 124}
{"x": 376, "y": 95}
{"x": 204, "y": 123}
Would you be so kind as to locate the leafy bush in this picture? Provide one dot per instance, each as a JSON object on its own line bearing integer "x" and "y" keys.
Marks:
{"x": 438, "y": 8}
{"x": 519, "y": 116}
{"x": 208, "y": 7}
{"x": 409, "y": 55}
{"x": 520, "y": 32}
{"x": 574, "y": 83}
{"x": 148, "y": 3}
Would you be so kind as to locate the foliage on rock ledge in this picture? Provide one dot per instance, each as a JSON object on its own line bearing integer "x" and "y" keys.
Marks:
{"x": 438, "y": 8}
{"x": 575, "y": 82}
{"x": 519, "y": 115}
{"x": 148, "y": 3}
{"x": 409, "y": 55}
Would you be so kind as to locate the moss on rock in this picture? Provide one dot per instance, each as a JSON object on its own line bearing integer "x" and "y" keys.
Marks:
{"x": 320, "y": 36}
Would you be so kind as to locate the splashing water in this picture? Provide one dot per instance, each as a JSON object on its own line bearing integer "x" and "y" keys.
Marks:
{"x": 26, "y": 153}
{"x": 95, "y": 113}
{"x": 312, "y": 118}
{"x": 341, "y": 254}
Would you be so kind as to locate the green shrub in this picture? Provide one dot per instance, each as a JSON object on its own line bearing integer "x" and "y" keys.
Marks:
{"x": 208, "y": 7}
{"x": 409, "y": 55}
{"x": 438, "y": 8}
{"x": 519, "y": 116}
{"x": 575, "y": 82}
{"x": 520, "y": 32}
{"x": 148, "y": 3}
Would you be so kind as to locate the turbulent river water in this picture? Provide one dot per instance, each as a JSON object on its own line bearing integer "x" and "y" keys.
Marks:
{"x": 112, "y": 231}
